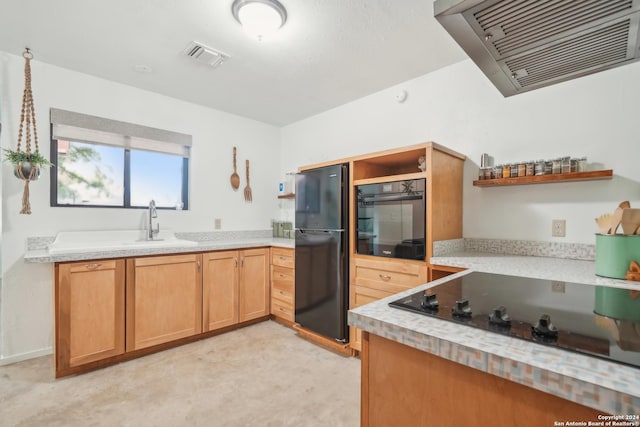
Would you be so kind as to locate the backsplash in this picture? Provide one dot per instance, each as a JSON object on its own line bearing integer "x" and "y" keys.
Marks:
{"x": 516, "y": 247}
{"x": 213, "y": 236}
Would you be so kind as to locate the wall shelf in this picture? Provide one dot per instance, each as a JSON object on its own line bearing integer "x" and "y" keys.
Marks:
{"x": 546, "y": 179}
{"x": 287, "y": 196}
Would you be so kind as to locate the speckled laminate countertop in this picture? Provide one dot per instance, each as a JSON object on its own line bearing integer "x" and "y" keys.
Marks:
{"x": 563, "y": 269}
{"x": 607, "y": 386}
{"x": 42, "y": 255}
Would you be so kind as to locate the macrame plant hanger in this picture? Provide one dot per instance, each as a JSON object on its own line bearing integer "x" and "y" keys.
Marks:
{"x": 28, "y": 123}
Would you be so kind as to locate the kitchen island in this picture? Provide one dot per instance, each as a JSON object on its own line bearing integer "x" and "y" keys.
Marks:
{"x": 418, "y": 370}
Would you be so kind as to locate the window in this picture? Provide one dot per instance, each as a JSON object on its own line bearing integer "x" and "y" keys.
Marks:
{"x": 105, "y": 163}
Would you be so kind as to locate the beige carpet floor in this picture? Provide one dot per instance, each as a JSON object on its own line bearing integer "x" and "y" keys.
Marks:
{"x": 261, "y": 375}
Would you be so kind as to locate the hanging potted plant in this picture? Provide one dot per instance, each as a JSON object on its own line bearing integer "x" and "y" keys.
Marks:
{"x": 26, "y": 165}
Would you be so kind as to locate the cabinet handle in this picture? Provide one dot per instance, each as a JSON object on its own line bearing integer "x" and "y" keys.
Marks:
{"x": 384, "y": 276}
{"x": 235, "y": 262}
{"x": 242, "y": 262}
{"x": 198, "y": 265}
{"x": 93, "y": 266}
{"x": 283, "y": 258}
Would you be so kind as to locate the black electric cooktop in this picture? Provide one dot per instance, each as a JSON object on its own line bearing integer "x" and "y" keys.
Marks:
{"x": 594, "y": 320}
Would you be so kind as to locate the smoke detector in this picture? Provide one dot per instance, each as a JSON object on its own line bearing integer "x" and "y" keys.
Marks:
{"x": 205, "y": 54}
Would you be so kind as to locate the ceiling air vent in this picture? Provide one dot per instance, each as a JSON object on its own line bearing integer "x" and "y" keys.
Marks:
{"x": 523, "y": 45}
{"x": 205, "y": 54}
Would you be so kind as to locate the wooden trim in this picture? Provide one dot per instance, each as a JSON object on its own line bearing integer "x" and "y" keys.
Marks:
{"x": 130, "y": 306}
{"x": 546, "y": 179}
{"x": 448, "y": 151}
{"x": 390, "y": 178}
{"x": 390, "y": 151}
{"x": 283, "y": 321}
{"x": 342, "y": 349}
{"x": 154, "y": 349}
{"x": 364, "y": 380}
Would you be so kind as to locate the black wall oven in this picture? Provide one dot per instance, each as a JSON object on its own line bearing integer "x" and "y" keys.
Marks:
{"x": 391, "y": 219}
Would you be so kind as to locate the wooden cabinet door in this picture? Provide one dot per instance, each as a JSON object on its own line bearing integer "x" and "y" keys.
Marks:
{"x": 164, "y": 299}
{"x": 219, "y": 290}
{"x": 89, "y": 312}
{"x": 254, "y": 283}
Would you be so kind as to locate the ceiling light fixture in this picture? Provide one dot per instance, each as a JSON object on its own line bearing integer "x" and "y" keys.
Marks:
{"x": 260, "y": 18}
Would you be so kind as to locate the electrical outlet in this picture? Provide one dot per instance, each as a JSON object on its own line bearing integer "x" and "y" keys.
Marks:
{"x": 218, "y": 224}
{"x": 558, "y": 227}
{"x": 557, "y": 286}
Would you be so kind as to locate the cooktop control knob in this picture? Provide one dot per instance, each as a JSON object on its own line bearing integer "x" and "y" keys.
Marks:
{"x": 461, "y": 308}
{"x": 544, "y": 328}
{"x": 499, "y": 317}
{"x": 430, "y": 302}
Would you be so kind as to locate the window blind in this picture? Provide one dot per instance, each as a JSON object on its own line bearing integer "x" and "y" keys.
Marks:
{"x": 71, "y": 126}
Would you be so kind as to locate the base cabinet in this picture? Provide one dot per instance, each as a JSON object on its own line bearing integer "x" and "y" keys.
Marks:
{"x": 403, "y": 386}
{"x": 89, "y": 298}
{"x": 164, "y": 299}
{"x": 108, "y": 311}
{"x": 375, "y": 279}
{"x": 235, "y": 287}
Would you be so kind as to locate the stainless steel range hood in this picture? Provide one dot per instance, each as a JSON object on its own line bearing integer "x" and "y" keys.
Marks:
{"x": 523, "y": 45}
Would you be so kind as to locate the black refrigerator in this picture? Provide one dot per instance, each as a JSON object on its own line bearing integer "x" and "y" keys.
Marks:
{"x": 322, "y": 267}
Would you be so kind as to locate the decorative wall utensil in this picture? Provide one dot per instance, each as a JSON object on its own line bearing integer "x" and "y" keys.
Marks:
{"x": 235, "y": 178}
{"x": 247, "y": 190}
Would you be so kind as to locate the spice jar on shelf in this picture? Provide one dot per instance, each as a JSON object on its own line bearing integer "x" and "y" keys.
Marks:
{"x": 566, "y": 164}
{"x": 548, "y": 167}
{"x": 514, "y": 170}
{"x": 506, "y": 171}
{"x": 556, "y": 166}
{"x": 530, "y": 169}
{"x": 539, "y": 168}
{"x": 487, "y": 173}
{"x": 582, "y": 164}
{"x": 497, "y": 172}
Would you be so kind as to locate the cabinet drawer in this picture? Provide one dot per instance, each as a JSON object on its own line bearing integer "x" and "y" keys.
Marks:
{"x": 283, "y": 294}
{"x": 282, "y": 310}
{"x": 363, "y": 295}
{"x": 79, "y": 267}
{"x": 282, "y": 274}
{"x": 282, "y": 283}
{"x": 283, "y": 257}
{"x": 389, "y": 277}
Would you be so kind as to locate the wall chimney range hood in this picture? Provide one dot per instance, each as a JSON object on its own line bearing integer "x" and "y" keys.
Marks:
{"x": 522, "y": 45}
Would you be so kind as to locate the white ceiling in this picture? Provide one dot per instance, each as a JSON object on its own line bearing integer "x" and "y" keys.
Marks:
{"x": 328, "y": 53}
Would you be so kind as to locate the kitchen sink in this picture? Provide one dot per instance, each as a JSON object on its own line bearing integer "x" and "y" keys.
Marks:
{"x": 100, "y": 240}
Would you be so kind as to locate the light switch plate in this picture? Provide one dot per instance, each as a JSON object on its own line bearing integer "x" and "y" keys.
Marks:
{"x": 217, "y": 224}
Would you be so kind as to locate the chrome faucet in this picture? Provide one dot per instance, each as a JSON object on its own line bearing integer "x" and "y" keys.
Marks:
{"x": 152, "y": 214}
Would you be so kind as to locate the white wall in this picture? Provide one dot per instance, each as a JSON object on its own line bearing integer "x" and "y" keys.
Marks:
{"x": 596, "y": 116}
{"x": 26, "y": 315}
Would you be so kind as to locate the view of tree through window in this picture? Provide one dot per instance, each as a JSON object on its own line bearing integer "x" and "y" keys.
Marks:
{"x": 90, "y": 174}
{"x": 96, "y": 175}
